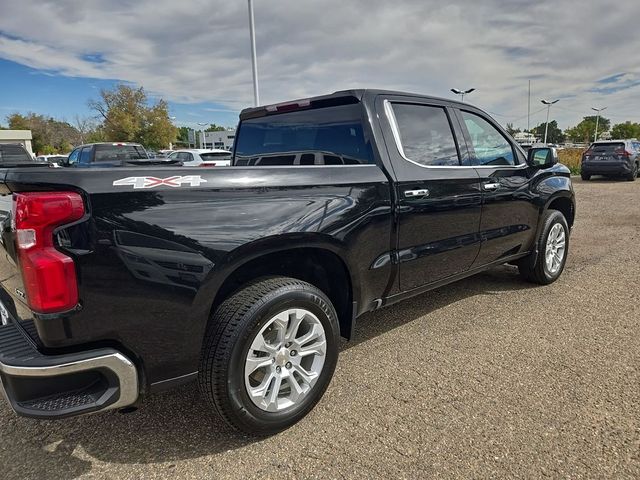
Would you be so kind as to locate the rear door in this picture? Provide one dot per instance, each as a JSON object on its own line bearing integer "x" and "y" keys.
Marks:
{"x": 438, "y": 196}
{"x": 509, "y": 212}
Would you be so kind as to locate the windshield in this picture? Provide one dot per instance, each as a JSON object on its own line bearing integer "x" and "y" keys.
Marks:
{"x": 119, "y": 152}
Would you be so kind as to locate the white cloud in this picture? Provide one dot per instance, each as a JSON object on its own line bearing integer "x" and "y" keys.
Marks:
{"x": 191, "y": 51}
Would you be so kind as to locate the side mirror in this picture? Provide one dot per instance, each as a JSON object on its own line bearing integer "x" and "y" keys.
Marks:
{"x": 542, "y": 157}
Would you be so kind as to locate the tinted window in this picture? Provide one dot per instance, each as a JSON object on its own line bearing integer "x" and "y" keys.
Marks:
{"x": 606, "y": 148}
{"x": 85, "y": 155}
{"x": 334, "y": 130}
{"x": 184, "y": 156}
{"x": 215, "y": 155}
{"x": 14, "y": 154}
{"x": 73, "y": 156}
{"x": 425, "y": 134}
{"x": 489, "y": 145}
{"x": 105, "y": 153}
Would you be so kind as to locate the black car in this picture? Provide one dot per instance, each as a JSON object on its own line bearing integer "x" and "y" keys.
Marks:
{"x": 616, "y": 158}
{"x": 122, "y": 282}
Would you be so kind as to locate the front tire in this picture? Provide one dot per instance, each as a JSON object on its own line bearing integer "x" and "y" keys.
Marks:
{"x": 269, "y": 354}
{"x": 553, "y": 248}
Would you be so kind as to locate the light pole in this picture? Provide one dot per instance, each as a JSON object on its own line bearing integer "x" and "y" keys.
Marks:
{"x": 595, "y": 137}
{"x": 546, "y": 125}
{"x": 254, "y": 61}
{"x": 462, "y": 93}
{"x": 204, "y": 139}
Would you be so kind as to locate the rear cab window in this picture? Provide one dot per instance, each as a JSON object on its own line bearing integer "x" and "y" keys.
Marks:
{"x": 332, "y": 135}
{"x": 14, "y": 154}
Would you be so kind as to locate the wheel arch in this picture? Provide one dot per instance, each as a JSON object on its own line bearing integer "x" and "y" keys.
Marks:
{"x": 564, "y": 203}
{"x": 316, "y": 259}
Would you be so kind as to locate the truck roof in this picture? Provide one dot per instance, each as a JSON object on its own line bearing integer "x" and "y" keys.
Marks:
{"x": 336, "y": 98}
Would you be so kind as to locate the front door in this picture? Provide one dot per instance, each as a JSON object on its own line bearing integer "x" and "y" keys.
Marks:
{"x": 438, "y": 198}
{"x": 509, "y": 210}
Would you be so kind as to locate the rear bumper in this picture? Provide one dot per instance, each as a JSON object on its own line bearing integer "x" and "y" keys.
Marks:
{"x": 58, "y": 386}
{"x": 607, "y": 168}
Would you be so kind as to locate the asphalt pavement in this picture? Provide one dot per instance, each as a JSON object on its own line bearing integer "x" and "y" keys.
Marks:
{"x": 489, "y": 377}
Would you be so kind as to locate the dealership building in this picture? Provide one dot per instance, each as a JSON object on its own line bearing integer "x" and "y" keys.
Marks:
{"x": 23, "y": 137}
{"x": 222, "y": 139}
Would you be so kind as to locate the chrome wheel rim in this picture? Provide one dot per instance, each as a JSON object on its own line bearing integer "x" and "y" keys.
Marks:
{"x": 285, "y": 360}
{"x": 556, "y": 244}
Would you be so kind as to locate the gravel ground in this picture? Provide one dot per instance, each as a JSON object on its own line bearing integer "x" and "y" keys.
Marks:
{"x": 488, "y": 377}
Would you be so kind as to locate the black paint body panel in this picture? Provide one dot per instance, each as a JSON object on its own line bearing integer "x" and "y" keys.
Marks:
{"x": 150, "y": 261}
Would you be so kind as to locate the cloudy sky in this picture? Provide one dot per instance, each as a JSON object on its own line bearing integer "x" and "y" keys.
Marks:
{"x": 55, "y": 55}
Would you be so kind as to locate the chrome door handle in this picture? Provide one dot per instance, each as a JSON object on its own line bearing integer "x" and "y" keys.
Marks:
{"x": 416, "y": 193}
{"x": 490, "y": 186}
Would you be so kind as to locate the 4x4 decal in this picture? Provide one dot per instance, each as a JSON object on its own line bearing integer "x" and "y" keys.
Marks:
{"x": 151, "y": 182}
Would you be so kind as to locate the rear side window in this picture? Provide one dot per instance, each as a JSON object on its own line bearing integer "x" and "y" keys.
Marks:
{"x": 288, "y": 138}
{"x": 14, "y": 154}
{"x": 105, "y": 153}
{"x": 85, "y": 155}
{"x": 425, "y": 135}
{"x": 489, "y": 145}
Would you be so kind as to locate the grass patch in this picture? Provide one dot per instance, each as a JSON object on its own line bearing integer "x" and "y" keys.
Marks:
{"x": 571, "y": 157}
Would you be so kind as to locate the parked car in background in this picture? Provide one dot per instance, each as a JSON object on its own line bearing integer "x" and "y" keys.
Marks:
{"x": 14, "y": 153}
{"x": 619, "y": 158}
{"x": 199, "y": 157}
{"x": 115, "y": 154}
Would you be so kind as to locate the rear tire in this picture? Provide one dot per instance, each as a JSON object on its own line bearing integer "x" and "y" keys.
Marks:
{"x": 553, "y": 246}
{"x": 256, "y": 368}
{"x": 634, "y": 173}
{"x": 585, "y": 176}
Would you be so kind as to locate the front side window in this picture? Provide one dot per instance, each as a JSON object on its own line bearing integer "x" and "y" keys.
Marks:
{"x": 335, "y": 131}
{"x": 425, "y": 135}
{"x": 489, "y": 146}
{"x": 73, "y": 156}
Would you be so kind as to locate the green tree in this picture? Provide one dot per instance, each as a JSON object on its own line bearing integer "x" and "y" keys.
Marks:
{"x": 215, "y": 128}
{"x": 48, "y": 135}
{"x": 183, "y": 135}
{"x": 127, "y": 117}
{"x": 584, "y": 132}
{"x": 625, "y": 130}
{"x": 511, "y": 130}
{"x": 554, "y": 134}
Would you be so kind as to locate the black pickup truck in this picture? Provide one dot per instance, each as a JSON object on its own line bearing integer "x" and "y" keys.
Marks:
{"x": 121, "y": 282}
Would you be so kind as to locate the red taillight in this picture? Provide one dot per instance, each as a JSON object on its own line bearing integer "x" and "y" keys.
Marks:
{"x": 49, "y": 275}
{"x": 207, "y": 165}
{"x": 622, "y": 151}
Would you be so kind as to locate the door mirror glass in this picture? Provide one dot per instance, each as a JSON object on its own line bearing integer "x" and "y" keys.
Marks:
{"x": 542, "y": 157}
